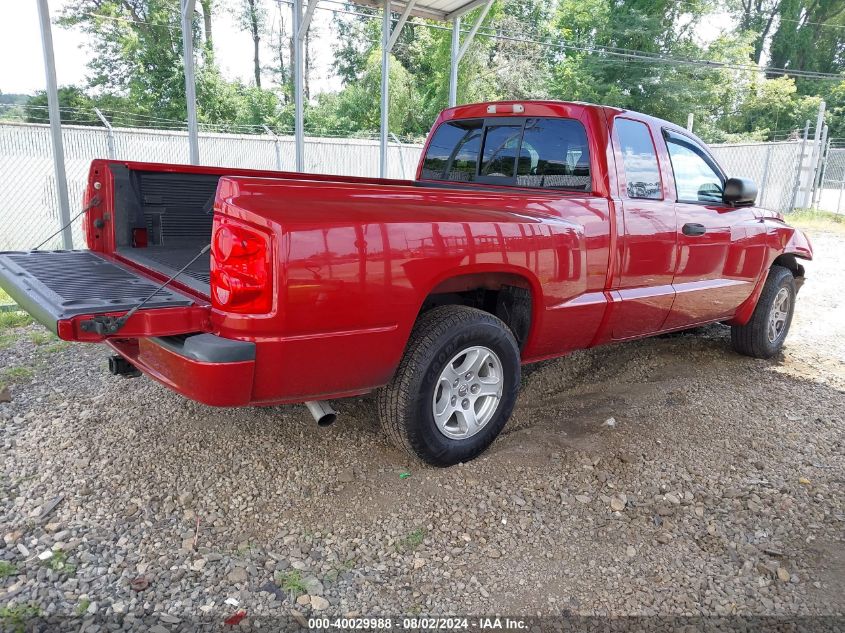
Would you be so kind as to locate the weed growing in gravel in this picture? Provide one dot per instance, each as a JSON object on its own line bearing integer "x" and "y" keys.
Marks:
{"x": 7, "y": 569}
{"x": 7, "y": 340}
{"x": 41, "y": 338}
{"x": 16, "y": 374}
{"x": 82, "y": 607}
{"x": 54, "y": 347}
{"x": 14, "y": 319}
{"x": 291, "y": 581}
{"x": 14, "y": 618}
{"x": 413, "y": 540}
{"x": 58, "y": 562}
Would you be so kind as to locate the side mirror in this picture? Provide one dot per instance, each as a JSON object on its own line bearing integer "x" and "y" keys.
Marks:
{"x": 739, "y": 192}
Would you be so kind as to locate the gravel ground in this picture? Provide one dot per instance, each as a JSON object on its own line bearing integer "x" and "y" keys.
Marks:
{"x": 716, "y": 490}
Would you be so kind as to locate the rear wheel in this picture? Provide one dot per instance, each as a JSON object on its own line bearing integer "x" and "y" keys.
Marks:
{"x": 764, "y": 334}
{"x": 455, "y": 387}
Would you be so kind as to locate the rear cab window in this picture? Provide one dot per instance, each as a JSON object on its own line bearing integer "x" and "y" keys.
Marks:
{"x": 639, "y": 160}
{"x": 545, "y": 153}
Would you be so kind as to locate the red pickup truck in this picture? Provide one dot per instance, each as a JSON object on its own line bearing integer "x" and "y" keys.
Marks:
{"x": 532, "y": 229}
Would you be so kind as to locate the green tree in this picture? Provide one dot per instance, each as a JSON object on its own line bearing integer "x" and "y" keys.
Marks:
{"x": 75, "y": 107}
{"x": 252, "y": 17}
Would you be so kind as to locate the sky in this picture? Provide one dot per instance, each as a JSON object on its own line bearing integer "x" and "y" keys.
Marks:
{"x": 22, "y": 65}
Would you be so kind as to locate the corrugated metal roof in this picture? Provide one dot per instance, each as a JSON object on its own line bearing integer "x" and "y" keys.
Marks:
{"x": 431, "y": 9}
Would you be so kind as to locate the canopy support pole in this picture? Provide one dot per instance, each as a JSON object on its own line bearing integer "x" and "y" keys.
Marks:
{"x": 388, "y": 41}
{"x": 300, "y": 28}
{"x": 385, "y": 79}
{"x": 299, "y": 132}
{"x": 188, "y": 7}
{"x": 55, "y": 124}
{"x": 459, "y": 50}
{"x": 453, "y": 70}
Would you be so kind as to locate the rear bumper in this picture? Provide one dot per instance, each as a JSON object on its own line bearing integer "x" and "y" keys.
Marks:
{"x": 207, "y": 368}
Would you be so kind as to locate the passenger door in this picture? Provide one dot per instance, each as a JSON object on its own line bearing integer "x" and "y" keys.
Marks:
{"x": 720, "y": 247}
{"x": 649, "y": 236}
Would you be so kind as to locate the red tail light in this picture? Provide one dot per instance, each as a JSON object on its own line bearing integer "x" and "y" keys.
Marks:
{"x": 241, "y": 280}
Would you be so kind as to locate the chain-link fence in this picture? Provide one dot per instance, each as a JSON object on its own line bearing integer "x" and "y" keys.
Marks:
{"x": 831, "y": 194}
{"x": 29, "y": 211}
{"x": 773, "y": 166}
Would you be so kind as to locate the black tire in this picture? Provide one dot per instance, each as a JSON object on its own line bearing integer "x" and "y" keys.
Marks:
{"x": 405, "y": 404}
{"x": 752, "y": 339}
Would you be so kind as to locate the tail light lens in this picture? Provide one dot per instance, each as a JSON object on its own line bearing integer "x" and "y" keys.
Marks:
{"x": 241, "y": 280}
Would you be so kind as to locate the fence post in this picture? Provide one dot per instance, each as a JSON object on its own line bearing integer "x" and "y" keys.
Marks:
{"x": 818, "y": 173}
{"x": 110, "y": 130}
{"x": 800, "y": 166}
{"x": 277, "y": 145}
{"x": 401, "y": 158}
{"x": 814, "y": 157}
{"x": 690, "y": 120}
{"x": 765, "y": 175}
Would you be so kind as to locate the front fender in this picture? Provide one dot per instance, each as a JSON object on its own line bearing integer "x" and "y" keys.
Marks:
{"x": 786, "y": 243}
{"x": 796, "y": 243}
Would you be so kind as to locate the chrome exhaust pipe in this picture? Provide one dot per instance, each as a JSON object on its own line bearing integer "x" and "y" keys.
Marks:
{"x": 322, "y": 411}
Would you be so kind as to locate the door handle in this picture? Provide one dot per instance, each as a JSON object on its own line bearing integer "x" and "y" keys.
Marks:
{"x": 693, "y": 229}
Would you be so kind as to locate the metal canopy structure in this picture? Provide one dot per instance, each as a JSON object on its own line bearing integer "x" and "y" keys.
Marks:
{"x": 442, "y": 10}
{"x": 303, "y": 10}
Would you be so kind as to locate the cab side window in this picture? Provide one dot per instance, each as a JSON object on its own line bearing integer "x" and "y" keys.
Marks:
{"x": 697, "y": 178}
{"x": 639, "y": 160}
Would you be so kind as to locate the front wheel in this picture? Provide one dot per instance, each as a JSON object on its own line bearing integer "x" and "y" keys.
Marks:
{"x": 455, "y": 387}
{"x": 765, "y": 332}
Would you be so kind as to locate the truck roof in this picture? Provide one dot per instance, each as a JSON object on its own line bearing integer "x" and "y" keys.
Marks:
{"x": 544, "y": 108}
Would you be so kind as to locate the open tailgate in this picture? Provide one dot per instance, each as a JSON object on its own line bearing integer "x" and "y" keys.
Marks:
{"x": 70, "y": 291}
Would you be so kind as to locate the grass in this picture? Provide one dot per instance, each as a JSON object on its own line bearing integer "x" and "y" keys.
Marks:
{"x": 39, "y": 338}
{"x": 55, "y": 345}
{"x": 291, "y": 581}
{"x": 413, "y": 540}
{"x": 58, "y": 562}
{"x": 7, "y": 569}
{"x": 16, "y": 374}
{"x": 10, "y": 320}
{"x": 818, "y": 220}
{"x": 82, "y": 607}
{"x": 7, "y": 340}
{"x": 14, "y": 618}
{"x": 4, "y": 297}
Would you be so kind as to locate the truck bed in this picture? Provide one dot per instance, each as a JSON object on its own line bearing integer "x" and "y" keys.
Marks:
{"x": 170, "y": 259}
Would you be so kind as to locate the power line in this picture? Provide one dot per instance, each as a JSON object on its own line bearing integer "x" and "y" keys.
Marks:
{"x": 829, "y": 25}
{"x": 631, "y": 54}
{"x": 613, "y": 51}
